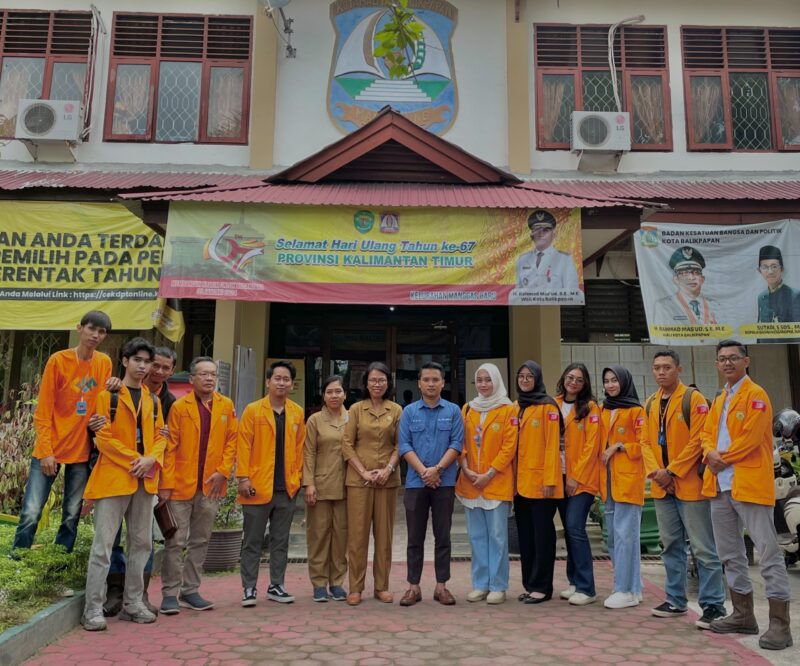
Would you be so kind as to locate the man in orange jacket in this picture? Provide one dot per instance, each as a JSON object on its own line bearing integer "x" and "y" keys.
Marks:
{"x": 123, "y": 484}
{"x": 72, "y": 380}
{"x": 671, "y": 452}
{"x": 269, "y": 465}
{"x": 737, "y": 443}
{"x": 197, "y": 464}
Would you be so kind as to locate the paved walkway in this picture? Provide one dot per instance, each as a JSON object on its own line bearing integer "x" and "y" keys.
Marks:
{"x": 373, "y": 634}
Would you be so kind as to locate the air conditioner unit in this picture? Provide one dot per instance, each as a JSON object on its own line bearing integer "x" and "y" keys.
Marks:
{"x": 600, "y": 132}
{"x": 42, "y": 120}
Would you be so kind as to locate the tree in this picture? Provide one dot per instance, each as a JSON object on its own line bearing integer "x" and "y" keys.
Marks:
{"x": 397, "y": 39}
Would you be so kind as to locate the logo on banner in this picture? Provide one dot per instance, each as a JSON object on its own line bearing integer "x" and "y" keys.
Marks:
{"x": 359, "y": 85}
{"x": 235, "y": 251}
{"x": 363, "y": 221}
{"x": 390, "y": 223}
{"x": 648, "y": 237}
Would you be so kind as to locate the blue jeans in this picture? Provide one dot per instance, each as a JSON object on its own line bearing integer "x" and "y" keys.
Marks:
{"x": 580, "y": 569}
{"x": 624, "y": 523}
{"x": 37, "y": 491}
{"x": 678, "y": 519}
{"x": 118, "y": 556}
{"x": 488, "y": 537}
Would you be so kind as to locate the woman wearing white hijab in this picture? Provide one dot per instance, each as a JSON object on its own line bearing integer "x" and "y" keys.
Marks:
{"x": 486, "y": 485}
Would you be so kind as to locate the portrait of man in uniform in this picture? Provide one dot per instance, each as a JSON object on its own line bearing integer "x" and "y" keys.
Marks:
{"x": 544, "y": 268}
{"x": 778, "y": 302}
{"x": 687, "y": 306}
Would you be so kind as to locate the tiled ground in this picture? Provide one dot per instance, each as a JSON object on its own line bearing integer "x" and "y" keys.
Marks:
{"x": 373, "y": 634}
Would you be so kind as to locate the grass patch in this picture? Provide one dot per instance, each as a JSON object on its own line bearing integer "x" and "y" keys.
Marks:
{"x": 35, "y": 578}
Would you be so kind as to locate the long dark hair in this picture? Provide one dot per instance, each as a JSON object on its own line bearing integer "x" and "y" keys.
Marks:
{"x": 585, "y": 395}
{"x": 380, "y": 367}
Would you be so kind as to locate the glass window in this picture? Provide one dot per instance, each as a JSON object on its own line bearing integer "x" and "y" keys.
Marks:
{"x": 131, "y": 100}
{"x": 68, "y": 80}
{"x": 225, "y": 102}
{"x": 750, "y": 111}
{"x": 789, "y": 109}
{"x": 178, "y": 101}
{"x": 558, "y": 101}
{"x": 598, "y": 93}
{"x": 708, "y": 116}
{"x": 20, "y": 78}
{"x": 647, "y": 109}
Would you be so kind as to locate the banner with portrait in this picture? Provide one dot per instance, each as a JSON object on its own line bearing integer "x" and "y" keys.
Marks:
{"x": 304, "y": 254}
{"x": 704, "y": 283}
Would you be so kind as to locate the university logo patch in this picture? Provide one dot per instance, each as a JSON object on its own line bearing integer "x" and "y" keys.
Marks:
{"x": 359, "y": 84}
{"x": 759, "y": 405}
{"x": 702, "y": 409}
{"x": 552, "y": 416}
{"x": 594, "y": 418}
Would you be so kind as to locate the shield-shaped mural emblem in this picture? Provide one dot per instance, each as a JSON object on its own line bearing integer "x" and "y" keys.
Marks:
{"x": 359, "y": 84}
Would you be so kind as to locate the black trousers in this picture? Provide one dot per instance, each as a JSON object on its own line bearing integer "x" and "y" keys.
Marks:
{"x": 537, "y": 542}
{"x": 438, "y": 503}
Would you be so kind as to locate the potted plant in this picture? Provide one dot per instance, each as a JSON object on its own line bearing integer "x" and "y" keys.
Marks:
{"x": 225, "y": 544}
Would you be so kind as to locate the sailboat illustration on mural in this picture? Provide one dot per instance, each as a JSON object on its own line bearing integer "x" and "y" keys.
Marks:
{"x": 360, "y": 83}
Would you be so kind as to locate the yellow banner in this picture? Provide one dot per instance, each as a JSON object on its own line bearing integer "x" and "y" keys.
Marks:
{"x": 60, "y": 259}
{"x": 373, "y": 255}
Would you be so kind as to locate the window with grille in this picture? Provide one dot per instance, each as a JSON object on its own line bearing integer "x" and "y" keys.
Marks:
{"x": 572, "y": 74}
{"x": 742, "y": 88}
{"x": 179, "y": 78}
{"x": 43, "y": 55}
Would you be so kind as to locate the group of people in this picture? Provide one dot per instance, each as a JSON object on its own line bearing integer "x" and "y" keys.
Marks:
{"x": 709, "y": 464}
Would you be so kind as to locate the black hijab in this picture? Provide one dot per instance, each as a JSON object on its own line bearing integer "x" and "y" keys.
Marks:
{"x": 627, "y": 397}
{"x": 538, "y": 395}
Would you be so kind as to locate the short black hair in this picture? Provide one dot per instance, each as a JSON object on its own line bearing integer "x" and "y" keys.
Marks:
{"x": 166, "y": 352}
{"x": 196, "y": 361}
{"x": 382, "y": 368}
{"x": 135, "y": 345}
{"x": 722, "y": 344}
{"x": 331, "y": 380}
{"x": 431, "y": 365}
{"x": 97, "y": 318}
{"x": 282, "y": 364}
{"x": 668, "y": 352}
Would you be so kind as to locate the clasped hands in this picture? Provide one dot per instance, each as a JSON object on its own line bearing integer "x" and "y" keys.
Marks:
{"x": 376, "y": 478}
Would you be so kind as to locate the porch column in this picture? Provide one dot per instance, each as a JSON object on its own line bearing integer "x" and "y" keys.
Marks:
{"x": 518, "y": 88}
{"x": 263, "y": 86}
{"x": 535, "y": 334}
{"x": 242, "y": 323}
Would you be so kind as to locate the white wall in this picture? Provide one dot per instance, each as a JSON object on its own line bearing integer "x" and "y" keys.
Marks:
{"x": 673, "y": 14}
{"x": 479, "y": 52}
{"x": 96, "y": 150}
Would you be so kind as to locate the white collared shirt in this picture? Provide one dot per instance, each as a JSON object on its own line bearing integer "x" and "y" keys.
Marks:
{"x": 725, "y": 477}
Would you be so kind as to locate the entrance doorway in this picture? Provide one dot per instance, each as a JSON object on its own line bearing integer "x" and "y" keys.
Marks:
{"x": 344, "y": 340}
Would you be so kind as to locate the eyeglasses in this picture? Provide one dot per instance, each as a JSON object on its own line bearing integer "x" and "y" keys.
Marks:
{"x": 689, "y": 273}
{"x": 569, "y": 379}
{"x": 377, "y": 382}
{"x": 770, "y": 268}
{"x": 526, "y": 378}
{"x": 722, "y": 360}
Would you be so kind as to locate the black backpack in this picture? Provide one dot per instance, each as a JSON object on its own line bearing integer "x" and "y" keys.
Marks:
{"x": 686, "y": 410}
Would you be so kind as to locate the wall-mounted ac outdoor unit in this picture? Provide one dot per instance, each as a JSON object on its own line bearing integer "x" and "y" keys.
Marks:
{"x": 600, "y": 132}
{"x": 42, "y": 120}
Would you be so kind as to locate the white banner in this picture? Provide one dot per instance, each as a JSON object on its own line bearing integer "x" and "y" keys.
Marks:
{"x": 703, "y": 283}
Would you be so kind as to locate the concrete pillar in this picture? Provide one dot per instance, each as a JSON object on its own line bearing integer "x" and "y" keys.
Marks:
{"x": 242, "y": 323}
{"x": 535, "y": 334}
{"x": 519, "y": 74}
{"x": 263, "y": 88}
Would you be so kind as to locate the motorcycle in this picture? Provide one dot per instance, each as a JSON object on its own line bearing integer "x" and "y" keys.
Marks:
{"x": 786, "y": 440}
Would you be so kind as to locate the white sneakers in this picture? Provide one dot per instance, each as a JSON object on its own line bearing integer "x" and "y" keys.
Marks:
{"x": 495, "y": 598}
{"x": 477, "y": 595}
{"x": 621, "y": 600}
{"x": 566, "y": 594}
{"x": 581, "y": 599}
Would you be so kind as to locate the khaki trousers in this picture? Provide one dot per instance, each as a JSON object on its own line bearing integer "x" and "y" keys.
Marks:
{"x": 195, "y": 520}
{"x": 326, "y": 535}
{"x": 370, "y": 506}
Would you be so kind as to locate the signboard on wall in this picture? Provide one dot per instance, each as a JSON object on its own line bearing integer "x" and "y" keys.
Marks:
{"x": 59, "y": 260}
{"x": 303, "y": 254}
{"x": 704, "y": 283}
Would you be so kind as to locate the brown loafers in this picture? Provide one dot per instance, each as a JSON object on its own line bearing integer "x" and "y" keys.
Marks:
{"x": 410, "y": 598}
{"x": 354, "y": 598}
{"x": 384, "y": 596}
{"x": 444, "y": 597}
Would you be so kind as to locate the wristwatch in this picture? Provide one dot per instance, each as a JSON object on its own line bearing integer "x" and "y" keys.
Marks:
{"x": 439, "y": 468}
{"x": 391, "y": 467}
{"x": 491, "y": 472}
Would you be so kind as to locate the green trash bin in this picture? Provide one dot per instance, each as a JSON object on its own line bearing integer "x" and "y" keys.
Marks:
{"x": 648, "y": 536}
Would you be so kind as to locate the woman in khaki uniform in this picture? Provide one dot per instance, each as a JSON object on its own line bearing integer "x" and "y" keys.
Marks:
{"x": 326, "y": 507}
{"x": 370, "y": 448}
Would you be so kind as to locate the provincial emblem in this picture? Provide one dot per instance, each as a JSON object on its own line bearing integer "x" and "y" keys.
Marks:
{"x": 359, "y": 84}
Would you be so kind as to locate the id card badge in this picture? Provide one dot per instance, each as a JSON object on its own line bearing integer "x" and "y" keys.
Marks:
{"x": 80, "y": 407}
{"x": 662, "y": 438}
{"x": 138, "y": 435}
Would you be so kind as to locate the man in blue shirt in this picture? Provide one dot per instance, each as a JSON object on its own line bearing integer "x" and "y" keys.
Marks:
{"x": 431, "y": 438}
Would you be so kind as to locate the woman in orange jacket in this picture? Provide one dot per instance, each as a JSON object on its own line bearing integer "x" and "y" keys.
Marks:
{"x": 578, "y": 458}
{"x": 622, "y": 483}
{"x": 486, "y": 484}
{"x": 539, "y": 482}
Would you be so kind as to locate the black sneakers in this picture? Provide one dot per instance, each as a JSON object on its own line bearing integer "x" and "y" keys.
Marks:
{"x": 249, "y": 597}
{"x": 668, "y": 610}
{"x": 710, "y": 613}
{"x": 277, "y": 593}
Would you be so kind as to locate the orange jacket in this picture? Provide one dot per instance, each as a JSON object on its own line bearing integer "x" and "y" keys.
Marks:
{"x": 116, "y": 442}
{"x": 538, "y": 459}
{"x": 60, "y": 430}
{"x": 626, "y": 467}
{"x": 683, "y": 445}
{"x": 750, "y": 428}
{"x": 183, "y": 447}
{"x": 580, "y": 448}
{"x": 497, "y": 450}
{"x": 255, "y": 449}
